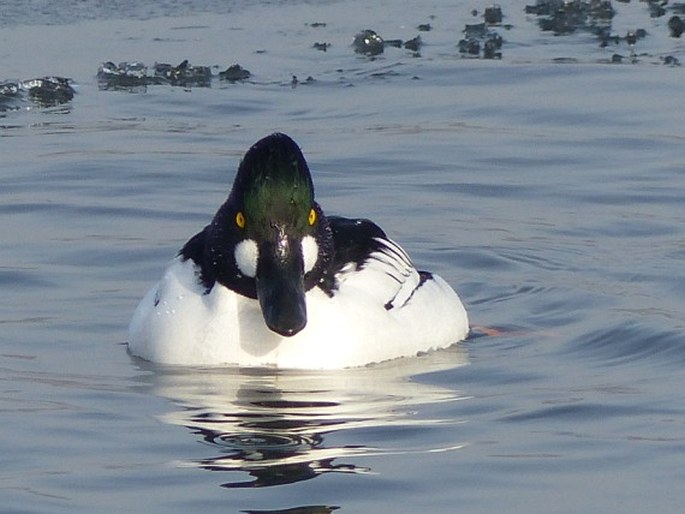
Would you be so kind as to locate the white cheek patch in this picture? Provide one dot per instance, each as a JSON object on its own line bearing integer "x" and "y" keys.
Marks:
{"x": 310, "y": 253}
{"x": 246, "y": 255}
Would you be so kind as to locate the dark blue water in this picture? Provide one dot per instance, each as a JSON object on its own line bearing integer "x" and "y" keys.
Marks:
{"x": 546, "y": 187}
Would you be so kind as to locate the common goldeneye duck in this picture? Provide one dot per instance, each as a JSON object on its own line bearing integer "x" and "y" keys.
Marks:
{"x": 272, "y": 281}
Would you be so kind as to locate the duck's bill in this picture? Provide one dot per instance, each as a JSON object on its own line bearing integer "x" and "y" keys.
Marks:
{"x": 280, "y": 290}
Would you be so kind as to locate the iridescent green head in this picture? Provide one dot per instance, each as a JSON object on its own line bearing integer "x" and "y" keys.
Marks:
{"x": 274, "y": 187}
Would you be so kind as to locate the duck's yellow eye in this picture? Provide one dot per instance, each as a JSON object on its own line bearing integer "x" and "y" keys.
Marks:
{"x": 312, "y": 216}
{"x": 240, "y": 219}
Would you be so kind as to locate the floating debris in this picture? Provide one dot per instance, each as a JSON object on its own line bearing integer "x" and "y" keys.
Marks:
{"x": 414, "y": 44}
{"x": 49, "y": 91}
{"x": 656, "y": 8}
{"x": 9, "y": 89}
{"x": 10, "y": 96}
{"x": 134, "y": 75}
{"x": 493, "y": 15}
{"x": 424, "y": 27}
{"x": 469, "y": 47}
{"x": 235, "y": 73}
{"x": 631, "y": 38}
{"x": 563, "y": 17}
{"x": 44, "y": 92}
{"x": 478, "y": 37}
{"x": 566, "y": 17}
{"x": 321, "y": 46}
{"x": 676, "y": 26}
{"x": 492, "y": 46}
{"x": 125, "y": 75}
{"x": 294, "y": 82}
{"x": 184, "y": 74}
{"x": 368, "y": 42}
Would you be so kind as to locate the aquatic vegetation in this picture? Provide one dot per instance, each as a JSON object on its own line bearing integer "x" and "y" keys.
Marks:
{"x": 44, "y": 92}
{"x": 124, "y": 75}
{"x": 482, "y": 37}
{"x": 566, "y": 17}
{"x": 368, "y": 42}
{"x": 480, "y": 40}
{"x": 235, "y": 73}
{"x": 134, "y": 75}
{"x": 184, "y": 74}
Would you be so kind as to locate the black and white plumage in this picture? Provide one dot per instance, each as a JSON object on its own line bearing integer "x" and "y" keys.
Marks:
{"x": 272, "y": 281}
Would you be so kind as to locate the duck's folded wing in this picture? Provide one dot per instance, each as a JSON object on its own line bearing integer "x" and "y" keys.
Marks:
{"x": 366, "y": 258}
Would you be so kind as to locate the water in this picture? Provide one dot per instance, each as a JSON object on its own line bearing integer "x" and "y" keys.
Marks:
{"x": 545, "y": 186}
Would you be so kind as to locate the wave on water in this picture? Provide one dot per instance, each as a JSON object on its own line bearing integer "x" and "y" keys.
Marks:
{"x": 630, "y": 342}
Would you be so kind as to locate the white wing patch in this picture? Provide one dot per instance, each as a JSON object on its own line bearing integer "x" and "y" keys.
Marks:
{"x": 388, "y": 274}
{"x": 400, "y": 268}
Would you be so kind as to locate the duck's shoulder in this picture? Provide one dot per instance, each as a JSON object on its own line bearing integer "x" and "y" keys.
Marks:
{"x": 194, "y": 251}
{"x": 354, "y": 240}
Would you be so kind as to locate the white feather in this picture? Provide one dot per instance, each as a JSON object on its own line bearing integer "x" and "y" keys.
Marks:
{"x": 310, "y": 253}
{"x": 246, "y": 254}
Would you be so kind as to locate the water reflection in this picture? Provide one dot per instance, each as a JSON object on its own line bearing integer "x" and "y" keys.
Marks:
{"x": 282, "y": 427}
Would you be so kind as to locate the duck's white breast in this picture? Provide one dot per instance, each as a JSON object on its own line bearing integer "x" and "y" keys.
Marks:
{"x": 176, "y": 323}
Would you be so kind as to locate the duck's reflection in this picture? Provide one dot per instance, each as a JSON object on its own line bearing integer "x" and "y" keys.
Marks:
{"x": 281, "y": 427}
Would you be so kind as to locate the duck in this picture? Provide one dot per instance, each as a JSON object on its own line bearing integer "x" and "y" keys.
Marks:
{"x": 274, "y": 282}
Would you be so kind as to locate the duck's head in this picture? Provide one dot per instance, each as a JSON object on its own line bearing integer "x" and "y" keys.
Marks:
{"x": 270, "y": 234}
